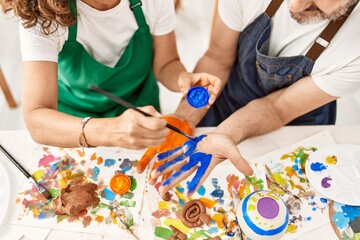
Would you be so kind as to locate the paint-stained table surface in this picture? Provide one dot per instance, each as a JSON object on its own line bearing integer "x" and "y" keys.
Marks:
{"x": 20, "y": 144}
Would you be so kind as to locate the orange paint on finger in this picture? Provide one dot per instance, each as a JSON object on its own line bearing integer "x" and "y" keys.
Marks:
{"x": 120, "y": 183}
{"x": 145, "y": 159}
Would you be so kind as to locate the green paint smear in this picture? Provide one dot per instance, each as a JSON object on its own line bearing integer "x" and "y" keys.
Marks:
{"x": 133, "y": 184}
{"x": 101, "y": 205}
{"x": 54, "y": 192}
{"x": 255, "y": 182}
{"x": 198, "y": 234}
{"x": 163, "y": 233}
{"x": 128, "y": 195}
{"x": 130, "y": 221}
{"x": 127, "y": 203}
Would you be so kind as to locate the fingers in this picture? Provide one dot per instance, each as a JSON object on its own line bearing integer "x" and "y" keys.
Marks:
{"x": 185, "y": 82}
{"x": 202, "y": 172}
{"x": 176, "y": 178}
{"x": 239, "y": 162}
{"x": 168, "y": 167}
{"x": 211, "y": 82}
{"x": 139, "y": 131}
{"x": 150, "y": 110}
{"x": 145, "y": 159}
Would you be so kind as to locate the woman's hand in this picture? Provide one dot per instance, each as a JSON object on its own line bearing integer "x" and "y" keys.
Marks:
{"x": 210, "y": 82}
{"x": 133, "y": 130}
{"x": 201, "y": 155}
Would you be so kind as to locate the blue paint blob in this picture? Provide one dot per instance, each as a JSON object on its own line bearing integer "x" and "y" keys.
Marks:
{"x": 180, "y": 189}
{"x": 109, "y": 162}
{"x": 108, "y": 194}
{"x": 217, "y": 193}
{"x": 351, "y": 212}
{"x": 126, "y": 165}
{"x": 340, "y": 220}
{"x": 95, "y": 172}
{"x": 201, "y": 191}
{"x": 324, "y": 200}
{"x": 213, "y": 230}
{"x": 317, "y": 167}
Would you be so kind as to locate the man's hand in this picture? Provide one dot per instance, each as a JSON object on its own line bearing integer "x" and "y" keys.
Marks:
{"x": 173, "y": 140}
{"x": 210, "y": 82}
{"x": 200, "y": 155}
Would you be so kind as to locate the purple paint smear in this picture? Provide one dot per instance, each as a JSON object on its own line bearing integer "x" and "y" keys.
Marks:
{"x": 325, "y": 182}
{"x": 268, "y": 208}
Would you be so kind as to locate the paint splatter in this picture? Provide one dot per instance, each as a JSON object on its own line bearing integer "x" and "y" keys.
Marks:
{"x": 318, "y": 167}
{"x": 331, "y": 159}
{"x": 325, "y": 182}
{"x": 109, "y": 162}
{"x": 60, "y": 167}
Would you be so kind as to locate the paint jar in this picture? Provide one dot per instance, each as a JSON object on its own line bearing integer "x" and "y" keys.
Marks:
{"x": 120, "y": 183}
{"x": 263, "y": 215}
{"x": 198, "y": 97}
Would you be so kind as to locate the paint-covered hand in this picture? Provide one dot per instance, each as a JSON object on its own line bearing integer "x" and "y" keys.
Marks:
{"x": 172, "y": 141}
{"x": 200, "y": 155}
{"x": 210, "y": 82}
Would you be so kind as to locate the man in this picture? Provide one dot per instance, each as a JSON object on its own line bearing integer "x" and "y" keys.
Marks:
{"x": 264, "y": 49}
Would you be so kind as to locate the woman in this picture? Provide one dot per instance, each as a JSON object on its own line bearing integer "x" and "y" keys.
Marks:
{"x": 120, "y": 46}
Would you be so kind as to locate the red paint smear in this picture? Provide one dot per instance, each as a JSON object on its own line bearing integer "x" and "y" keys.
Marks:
{"x": 157, "y": 185}
{"x": 46, "y": 160}
{"x": 161, "y": 213}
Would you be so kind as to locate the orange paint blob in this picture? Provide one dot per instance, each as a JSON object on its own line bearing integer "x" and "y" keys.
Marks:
{"x": 120, "y": 183}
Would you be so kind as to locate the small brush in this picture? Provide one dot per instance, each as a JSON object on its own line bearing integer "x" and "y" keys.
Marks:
{"x": 126, "y": 104}
{"x": 37, "y": 185}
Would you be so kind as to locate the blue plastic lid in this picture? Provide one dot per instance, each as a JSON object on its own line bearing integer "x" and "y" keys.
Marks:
{"x": 198, "y": 97}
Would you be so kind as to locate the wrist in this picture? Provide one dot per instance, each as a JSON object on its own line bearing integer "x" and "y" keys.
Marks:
{"x": 83, "y": 140}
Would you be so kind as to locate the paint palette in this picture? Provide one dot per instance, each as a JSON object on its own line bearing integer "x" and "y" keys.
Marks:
{"x": 4, "y": 192}
{"x": 335, "y": 171}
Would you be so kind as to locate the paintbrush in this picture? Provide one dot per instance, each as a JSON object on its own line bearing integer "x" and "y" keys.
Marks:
{"x": 126, "y": 104}
{"x": 37, "y": 185}
{"x": 269, "y": 177}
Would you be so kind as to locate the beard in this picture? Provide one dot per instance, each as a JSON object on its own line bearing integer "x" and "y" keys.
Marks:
{"x": 314, "y": 14}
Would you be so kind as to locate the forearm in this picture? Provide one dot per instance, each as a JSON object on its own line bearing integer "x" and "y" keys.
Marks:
{"x": 54, "y": 128}
{"x": 169, "y": 74}
{"x": 257, "y": 118}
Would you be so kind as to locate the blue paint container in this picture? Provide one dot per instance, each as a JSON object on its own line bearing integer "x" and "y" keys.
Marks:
{"x": 198, "y": 97}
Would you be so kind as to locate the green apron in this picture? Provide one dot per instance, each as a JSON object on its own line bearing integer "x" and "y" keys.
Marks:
{"x": 132, "y": 77}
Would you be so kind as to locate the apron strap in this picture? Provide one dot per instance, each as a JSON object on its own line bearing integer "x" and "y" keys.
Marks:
{"x": 323, "y": 40}
{"x": 273, "y": 7}
{"x": 73, "y": 29}
{"x": 135, "y": 6}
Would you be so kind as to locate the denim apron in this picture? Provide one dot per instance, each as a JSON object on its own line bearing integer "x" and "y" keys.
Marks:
{"x": 131, "y": 79}
{"x": 255, "y": 75}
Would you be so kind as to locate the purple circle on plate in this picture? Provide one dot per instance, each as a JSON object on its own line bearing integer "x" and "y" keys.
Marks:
{"x": 268, "y": 208}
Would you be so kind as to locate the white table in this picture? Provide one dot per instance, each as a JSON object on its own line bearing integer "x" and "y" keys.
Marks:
{"x": 20, "y": 144}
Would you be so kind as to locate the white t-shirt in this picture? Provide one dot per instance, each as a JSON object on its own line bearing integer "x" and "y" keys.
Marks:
{"x": 336, "y": 71}
{"x": 104, "y": 34}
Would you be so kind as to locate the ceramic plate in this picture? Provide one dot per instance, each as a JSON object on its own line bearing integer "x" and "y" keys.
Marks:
{"x": 334, "y": 171}
{"x": 4, "y": 192}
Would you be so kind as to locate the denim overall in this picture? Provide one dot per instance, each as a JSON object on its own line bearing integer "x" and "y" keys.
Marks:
{"x": 131, "y": 78}
{"x": 255, "y": 75}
